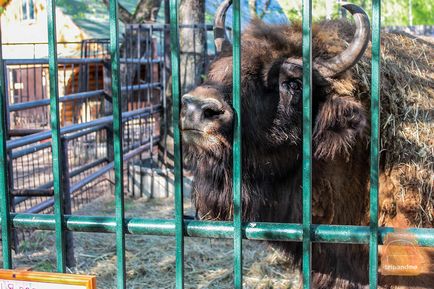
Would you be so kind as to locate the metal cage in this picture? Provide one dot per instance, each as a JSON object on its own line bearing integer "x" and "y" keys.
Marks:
{"x": 306, "y": 232}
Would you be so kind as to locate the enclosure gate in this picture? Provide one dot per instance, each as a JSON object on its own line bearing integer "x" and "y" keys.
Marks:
{"x": 305, "y": 232}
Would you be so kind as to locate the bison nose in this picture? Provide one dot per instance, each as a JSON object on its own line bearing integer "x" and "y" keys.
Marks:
{"x": 197, "y": 111}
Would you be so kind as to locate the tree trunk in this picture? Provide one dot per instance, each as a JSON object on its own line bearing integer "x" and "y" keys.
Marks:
{"x": 192, "y": 43}
{"x": 329, "y": 9}
{"x": 166, "y": 144}
{"x": 266, "y": 7}
{"x": 124, "y": 15}
{"x": 147, "y": 11}
{"x": 253, "y": 8}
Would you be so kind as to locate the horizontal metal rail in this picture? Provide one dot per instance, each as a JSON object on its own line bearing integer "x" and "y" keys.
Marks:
{"x": 79, "y": 96}
{"x": 44, "y": 102}
{"x": 33, "y": 193}
{"x": 136, "y": 87}
{"x": 142, "y": 60}
{"x": 160, "y": 27}
{"x": 41, "y": 206}
{"x": 38, "y": 147}
{"x": 108, "y": 167}
{"x": 30, "y": 150}
{"x": 19, "y": 199}
{"x": 19, "y": 132}
{"x": 32, "y": 61}
{"x": 41, "y": 43}
{"x": 16, "y": 143}
{"x": 83, "y": 133}
{"x": 88, "y": 179}
{"x": 211, "y": 229}
{"x": 83, "y": 168}
{"x": 60, "y": 61}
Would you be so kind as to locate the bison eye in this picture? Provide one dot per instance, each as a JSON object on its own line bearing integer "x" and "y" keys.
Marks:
{"x": 292, "y": 85}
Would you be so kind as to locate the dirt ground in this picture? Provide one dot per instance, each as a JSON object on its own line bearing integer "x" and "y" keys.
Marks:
{"x": 151, "y": 259}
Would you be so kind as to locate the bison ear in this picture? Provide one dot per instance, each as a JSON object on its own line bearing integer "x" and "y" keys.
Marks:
{"x": 340, "y": 122}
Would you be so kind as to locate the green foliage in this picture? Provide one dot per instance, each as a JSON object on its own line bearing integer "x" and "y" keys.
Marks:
{"x": 394, "y": 12}
{"x": 130, "y": 5}
{"x": 45, "y": 266}
{"x": 397, "y": 12}
{"x": 35, "y": 243}
{"x": 75, "y": 8}
{"x": 423, "y": 12}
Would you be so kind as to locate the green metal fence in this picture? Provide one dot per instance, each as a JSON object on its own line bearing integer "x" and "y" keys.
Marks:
{"x": 305, "y": 232}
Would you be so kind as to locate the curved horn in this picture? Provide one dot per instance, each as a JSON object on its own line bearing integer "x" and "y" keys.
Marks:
{"x": 220, "y": 39}
{"x": 349, "y": 57}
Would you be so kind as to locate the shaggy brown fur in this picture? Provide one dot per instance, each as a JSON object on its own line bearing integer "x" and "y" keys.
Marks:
{"x": 271, "y": 120}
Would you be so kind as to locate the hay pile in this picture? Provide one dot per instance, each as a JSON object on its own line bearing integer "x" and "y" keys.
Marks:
{"x": 407, "y": 129}
{"x": 151, "y": 259}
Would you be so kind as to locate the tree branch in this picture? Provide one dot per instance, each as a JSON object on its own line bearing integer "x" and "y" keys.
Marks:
{"x": 124, "y": 15}
{"x": 266, "y": 6}
{"x": 146, "y": 11}
{"x": 252, "y": 8}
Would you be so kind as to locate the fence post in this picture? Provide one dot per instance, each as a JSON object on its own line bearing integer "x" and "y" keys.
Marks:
{"x": 108, "y": 110}
{"x": 178, "y": 172}
{"x": 117, "y": 144}
{"x": 375, "y": 143}
{"x": 4, "y": 188}
{"x": 67, "y": 205}
{"x": 107, "y": 81}
{"x": 166, "y": 145}
{"x": 9, "y": 159}
{"x": 237, "y": 162}
{"x": 307, "y": 145}
{"x": 56, "y": 149}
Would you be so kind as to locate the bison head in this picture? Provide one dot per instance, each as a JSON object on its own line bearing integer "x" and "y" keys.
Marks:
{"x": 271, "y": 92}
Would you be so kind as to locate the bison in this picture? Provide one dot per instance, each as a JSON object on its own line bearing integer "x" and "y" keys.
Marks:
{"x": 271, "y": 91}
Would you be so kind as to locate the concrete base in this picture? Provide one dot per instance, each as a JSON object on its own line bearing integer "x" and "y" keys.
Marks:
{"x": 147, "y": 181}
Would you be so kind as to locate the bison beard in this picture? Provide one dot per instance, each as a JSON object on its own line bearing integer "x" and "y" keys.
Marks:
{"x": 271, "y": 70}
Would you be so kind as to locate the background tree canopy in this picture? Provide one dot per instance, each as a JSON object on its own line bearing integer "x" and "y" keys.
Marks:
{"x": 394, "y": 12}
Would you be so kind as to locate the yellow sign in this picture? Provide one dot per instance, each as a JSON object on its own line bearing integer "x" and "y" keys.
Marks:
{"x": 15, "y": 279}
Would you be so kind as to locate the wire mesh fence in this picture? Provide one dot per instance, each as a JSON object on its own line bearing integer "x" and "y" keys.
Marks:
{"x": 85, "y": 118}
{"x": 85, "y": 96}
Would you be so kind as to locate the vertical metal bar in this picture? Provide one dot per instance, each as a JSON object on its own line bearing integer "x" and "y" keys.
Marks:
{"x": 139, "y": 77}
{"x": 7, "y": 118}
{"x": 55, "y": 136}
{"x": 307, "y": 141}
{"x": 141, "y": 141}
{"x": 26, "y": 82}
{"x": 117, "y": 144}
{"x": 375, "y": 130}
{"x": 4, "y": 192}
{"x": 139, "y": 105}
{"x": 163, "y": 93}
{"x": 69, "y": 239}
{"x": 237, "y": 153}
{"x": 179, "y": 206}
{"x": 65, "y": 92}
{"x": 150, "y": 96}
{"x": 5, "y": 133}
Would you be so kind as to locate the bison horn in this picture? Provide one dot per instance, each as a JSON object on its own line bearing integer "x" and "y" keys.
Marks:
{"x": 220, "y": 38}
{"x": 349, "y": 57}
